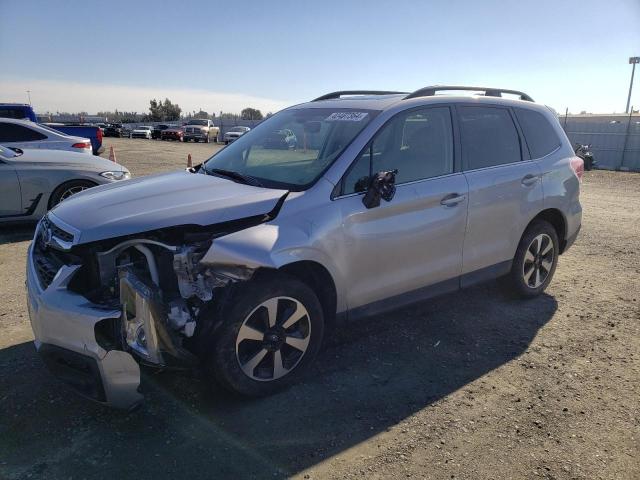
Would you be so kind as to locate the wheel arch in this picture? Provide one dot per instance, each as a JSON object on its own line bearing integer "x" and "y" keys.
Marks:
{"x": 319, "y": 279}
{"x": 64, "y": 184}
{"x": 557, "y": 219}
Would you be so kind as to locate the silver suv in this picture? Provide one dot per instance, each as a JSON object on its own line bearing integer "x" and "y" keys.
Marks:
{"x": 240, "y": 263}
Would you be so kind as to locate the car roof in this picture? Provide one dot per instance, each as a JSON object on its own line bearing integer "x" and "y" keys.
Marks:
{"x": 370, "y": 100}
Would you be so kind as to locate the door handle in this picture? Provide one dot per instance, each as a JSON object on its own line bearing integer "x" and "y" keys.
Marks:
{"x": 452, "y": 200}
{"x": 529, "y": 179}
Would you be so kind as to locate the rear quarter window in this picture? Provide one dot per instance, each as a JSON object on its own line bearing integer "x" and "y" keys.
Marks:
{"x": 539, "y": 134}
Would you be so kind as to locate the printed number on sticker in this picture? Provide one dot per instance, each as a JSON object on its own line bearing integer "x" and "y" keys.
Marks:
{"x": 346, "y": 116}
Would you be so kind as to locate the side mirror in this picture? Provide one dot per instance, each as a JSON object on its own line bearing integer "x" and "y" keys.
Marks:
{"x": 381, "y": 185}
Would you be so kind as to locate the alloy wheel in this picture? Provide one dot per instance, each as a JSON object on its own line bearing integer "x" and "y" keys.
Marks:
{"x": 72, "y": 191}
{"x": 273, "y": 338}
{"x": 538, "y": 261}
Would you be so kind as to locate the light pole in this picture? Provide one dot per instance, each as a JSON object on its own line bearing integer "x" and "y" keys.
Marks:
{"x": 29, "y": 95}
{"x": 633, "y": 61}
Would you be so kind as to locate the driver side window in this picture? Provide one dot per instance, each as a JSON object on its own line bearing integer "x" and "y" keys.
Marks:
{"x": 418, "y": 143}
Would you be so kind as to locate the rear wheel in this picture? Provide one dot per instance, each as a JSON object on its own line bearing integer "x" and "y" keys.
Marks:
{"x": 67, "y": 190}
{"x": 273, "y": 330}
{"x": 535, "y": 261}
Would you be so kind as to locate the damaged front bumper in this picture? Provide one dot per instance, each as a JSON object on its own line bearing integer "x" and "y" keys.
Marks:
{"x": 64, "y": 326}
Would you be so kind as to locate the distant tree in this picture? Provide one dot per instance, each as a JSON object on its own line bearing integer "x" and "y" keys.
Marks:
{"x": 269, "y": 114}
{"x": 160, "y": 111}
{"x": 171, "y": 111}
{"x": 228, "y": 116}
{"x": 251, "y": 114}
{"x": 201, "y": 114}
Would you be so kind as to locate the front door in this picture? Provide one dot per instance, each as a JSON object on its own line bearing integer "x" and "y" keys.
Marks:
{"x": 416, "y": 239}
{"x": 10, "y": 198}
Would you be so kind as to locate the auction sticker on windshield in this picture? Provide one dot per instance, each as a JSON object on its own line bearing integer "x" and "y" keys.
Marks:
{"x": 346, "y": 117}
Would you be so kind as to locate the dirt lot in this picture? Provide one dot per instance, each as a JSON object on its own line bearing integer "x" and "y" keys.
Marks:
{"x": 472, "y": 385}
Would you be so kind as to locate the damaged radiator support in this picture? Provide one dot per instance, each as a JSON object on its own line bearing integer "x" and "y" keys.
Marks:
{"x": 155, "y": 323}
{"x": 144, "y": 321}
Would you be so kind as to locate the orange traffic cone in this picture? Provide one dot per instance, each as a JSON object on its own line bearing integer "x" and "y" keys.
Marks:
{"x": 189, "y": 162}
{"x": 112, "y": 155}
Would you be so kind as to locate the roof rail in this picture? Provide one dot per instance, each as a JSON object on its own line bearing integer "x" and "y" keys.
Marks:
{"x": 334, "y": 95}
{"x": 488, "y": 92}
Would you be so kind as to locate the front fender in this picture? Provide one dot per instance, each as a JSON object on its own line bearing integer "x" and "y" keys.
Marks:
{"x": 273, "y": 246}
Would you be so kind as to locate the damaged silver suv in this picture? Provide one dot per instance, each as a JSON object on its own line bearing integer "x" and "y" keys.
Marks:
{"x": 239, "y": 264}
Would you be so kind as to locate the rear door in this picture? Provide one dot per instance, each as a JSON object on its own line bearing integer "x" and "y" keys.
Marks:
{"x": 415, "y": 240}
{"x": 20, "y": 136}
{"x": 505, "y": 189}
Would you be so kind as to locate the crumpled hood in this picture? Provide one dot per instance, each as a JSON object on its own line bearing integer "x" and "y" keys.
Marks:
{"x": 159, "y": 201}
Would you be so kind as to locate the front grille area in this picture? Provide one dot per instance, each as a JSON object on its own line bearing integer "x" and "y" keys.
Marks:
{"x": 56, "y": 231}
{"x": 47, "y": 262}
{"x": 46, "y": 259}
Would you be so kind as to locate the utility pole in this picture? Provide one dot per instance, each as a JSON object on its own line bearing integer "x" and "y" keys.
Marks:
{"x": 29, "y": 94}
{"x": 633, "y": 61}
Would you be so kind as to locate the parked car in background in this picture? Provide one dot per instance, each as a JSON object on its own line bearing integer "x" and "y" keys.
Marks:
{"x": 234, "y": 133}
{"x": 201, "y": 130}
{"x": 27, "y": 135}
{"x": 34, "y": 181}
{"x": 23, "y": 111}
{"x": 19, "y": 111}
{"x": 173, "y": 133}
{"x": 113, "y": 130}
{"x": 93, "y": 133}
{"x": 281, "y": 139}
{"x": 157, "y": 130}
{"x": 142, "y": 132}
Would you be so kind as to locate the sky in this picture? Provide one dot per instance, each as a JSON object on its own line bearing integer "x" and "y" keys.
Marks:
{"x": 223, "y": 56}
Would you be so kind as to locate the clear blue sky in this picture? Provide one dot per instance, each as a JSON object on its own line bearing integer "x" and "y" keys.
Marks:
{"x": 107, "y": 54}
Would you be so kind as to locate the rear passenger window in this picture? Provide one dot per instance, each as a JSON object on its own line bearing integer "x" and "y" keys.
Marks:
{"x": 11, "y": 132}
{"x": 489, "y": 137}
{"x": 541, "y": 138}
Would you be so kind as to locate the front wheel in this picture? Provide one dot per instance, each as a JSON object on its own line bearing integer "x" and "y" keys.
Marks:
{"x": 535, "y": 261}
{"x": 68, "y": 189}
{"x": 272, "y": 331}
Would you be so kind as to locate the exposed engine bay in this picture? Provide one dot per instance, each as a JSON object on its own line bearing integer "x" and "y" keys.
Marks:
{"x": 168, "y": 297}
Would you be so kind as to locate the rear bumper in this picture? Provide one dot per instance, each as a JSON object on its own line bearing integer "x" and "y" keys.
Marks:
{"x": 63, "y": 324}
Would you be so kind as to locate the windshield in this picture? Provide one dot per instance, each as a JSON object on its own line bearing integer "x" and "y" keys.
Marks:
{"x": 237, "y": 129}
{"x": 197, "y": 122}
{"x": 292, "y": 148}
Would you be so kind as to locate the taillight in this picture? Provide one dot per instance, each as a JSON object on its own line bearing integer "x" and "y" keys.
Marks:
{"x": 577, "y": 165}
{"x": 99, "y": 135}
{"x": 82, "y": 145}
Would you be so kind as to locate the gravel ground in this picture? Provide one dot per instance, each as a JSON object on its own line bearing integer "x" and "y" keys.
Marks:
{"x": 471, "y": 385}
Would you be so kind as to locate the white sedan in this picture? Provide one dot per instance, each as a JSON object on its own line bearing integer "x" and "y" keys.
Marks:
{"x": 142, "y": 132}
{"x": 34, "y": 181}
{"x": 27, "y": 134}
{"x": 234, "y": 134}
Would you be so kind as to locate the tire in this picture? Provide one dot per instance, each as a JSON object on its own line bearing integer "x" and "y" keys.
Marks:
{"x": 588, "y": 163}
{"x": 226, "y": 142}
{"x": 68, "y": 189}
{"x": 206, "y": 140}
{"x": 535, "y": 261}
{"x": 231, "y": 365}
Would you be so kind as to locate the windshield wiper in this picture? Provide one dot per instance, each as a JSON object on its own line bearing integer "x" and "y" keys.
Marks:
{"x": 247, "y": 179}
